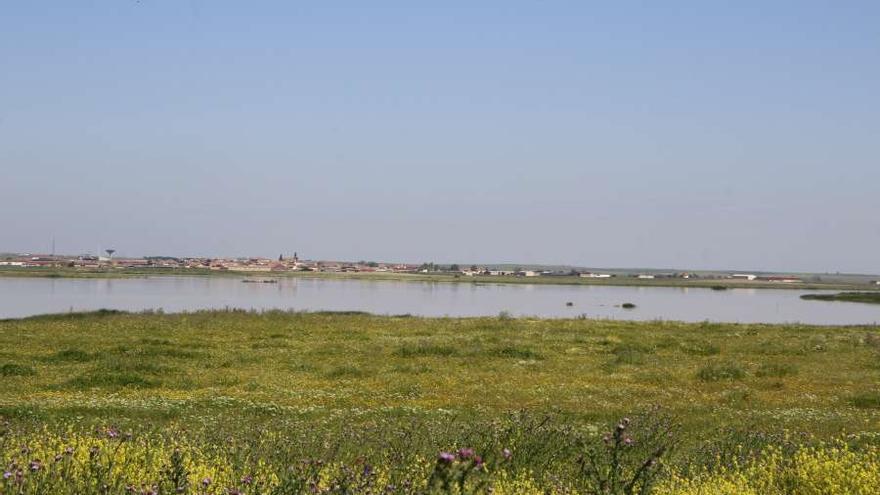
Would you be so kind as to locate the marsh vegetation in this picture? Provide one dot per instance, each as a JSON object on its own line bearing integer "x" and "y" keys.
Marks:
{"x": 858, "y": 297}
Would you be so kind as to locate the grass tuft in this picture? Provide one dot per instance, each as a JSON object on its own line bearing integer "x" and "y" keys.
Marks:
{"x": 630, "y": 353}
{"x": 512, "y": 351}
{"x": 111, "y": 380}
{"x": 70, "y": 356}
{"x": 11, "y": 369}
{"x": 721, "y": 371}
{"x": 776, "y": 370}
{"x": 866, "y": 400}
{"x": 425, "y": 349}
{"x": 701, "y": 348}
{"x": 345, "y": 371}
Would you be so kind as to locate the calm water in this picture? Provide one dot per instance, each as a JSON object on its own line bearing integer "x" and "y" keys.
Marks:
{"x": 30, "y": 296}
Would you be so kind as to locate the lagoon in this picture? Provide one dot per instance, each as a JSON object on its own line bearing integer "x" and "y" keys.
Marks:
{"x": 21, "y": 297}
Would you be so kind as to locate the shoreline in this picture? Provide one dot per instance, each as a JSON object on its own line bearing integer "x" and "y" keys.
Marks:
{"x": 712, "y": 284}
{"x": 329, "y": 313}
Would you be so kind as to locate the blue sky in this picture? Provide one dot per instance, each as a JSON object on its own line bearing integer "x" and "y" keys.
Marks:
{"x": 688, "y": 134}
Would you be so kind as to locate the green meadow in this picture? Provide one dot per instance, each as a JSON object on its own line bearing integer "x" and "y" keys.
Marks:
{"x": 244, "y": 394}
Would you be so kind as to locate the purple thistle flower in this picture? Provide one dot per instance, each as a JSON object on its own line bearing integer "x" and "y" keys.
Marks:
{"x": 465, "y": 453}
{"x": 628, "y": 441}
{"x": 247, "y": 480}
{"x": 446, "y": 457}
{"x": 206, "y": 481}
{"x": 7, "y": 475}
{"x": 112, "y": 432}
{"x": 507, "y": 454}
{"x": 478, "y": 461}
{"x": 35, "y": 465}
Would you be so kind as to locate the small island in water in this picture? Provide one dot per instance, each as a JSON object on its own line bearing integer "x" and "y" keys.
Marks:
{"x": 859, "y": 297}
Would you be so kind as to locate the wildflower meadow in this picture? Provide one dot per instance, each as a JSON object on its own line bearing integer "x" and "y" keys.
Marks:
{"x": 236, "y": 402}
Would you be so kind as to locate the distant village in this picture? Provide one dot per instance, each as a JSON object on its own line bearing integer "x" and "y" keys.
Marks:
{"x": 294, "y": 264}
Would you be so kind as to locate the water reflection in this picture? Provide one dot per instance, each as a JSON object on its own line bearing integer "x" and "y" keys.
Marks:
{"x": 24, "y": 297}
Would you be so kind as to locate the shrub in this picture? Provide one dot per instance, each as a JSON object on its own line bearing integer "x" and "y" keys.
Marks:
{"x": 628, "y": 305}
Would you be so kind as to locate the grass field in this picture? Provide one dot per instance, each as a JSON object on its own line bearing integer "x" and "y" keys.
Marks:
{"x": 302, "y": 402}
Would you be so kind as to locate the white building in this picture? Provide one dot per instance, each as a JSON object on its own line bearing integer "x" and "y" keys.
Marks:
{"x": 744, "y": 276}
{"x": 595, "y": 275}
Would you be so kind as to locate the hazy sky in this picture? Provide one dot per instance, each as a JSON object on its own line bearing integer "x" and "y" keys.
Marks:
{"x": 700, "y": 134}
